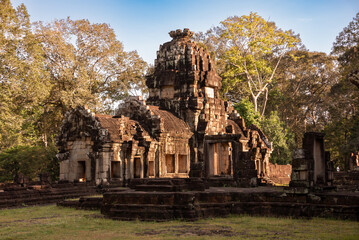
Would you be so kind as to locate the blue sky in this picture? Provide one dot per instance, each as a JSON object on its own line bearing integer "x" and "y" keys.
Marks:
{"x": 143, "y": 25}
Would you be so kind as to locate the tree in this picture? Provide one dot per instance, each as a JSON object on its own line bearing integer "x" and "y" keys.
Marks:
{"x": 346, "y": 47}
{"x": 300, "y": 91}
{"x": 281, "y": 138}
{"x": 87, "y": 65}
{"x": 22, "y": 78}
{"x": 28, "y": 160}
{"x": 245, "y": 108}
{"x": 342, "y": 132}
{"x": 342, "y": 139}
{"x": 251, "y": 49}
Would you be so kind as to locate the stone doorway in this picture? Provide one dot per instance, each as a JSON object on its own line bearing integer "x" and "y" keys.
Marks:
{"x": 81, "y": 171}
{"x": 319, "y": 161}
{"x": 220, "y": 159}
{"x": 151, "y": 168}
{"x": 137, "y": 167}
{"x": 116, "y": 169}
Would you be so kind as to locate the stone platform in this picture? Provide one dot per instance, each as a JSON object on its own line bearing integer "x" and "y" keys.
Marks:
{"x": 219, "y": 202}
{"x": 192, "y": 199}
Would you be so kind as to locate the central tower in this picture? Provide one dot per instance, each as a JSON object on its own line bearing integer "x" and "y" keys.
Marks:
{"x": 185, "y": 83}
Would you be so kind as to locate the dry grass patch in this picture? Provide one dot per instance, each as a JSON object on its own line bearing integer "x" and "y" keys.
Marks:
{"x": 52, "y": 222}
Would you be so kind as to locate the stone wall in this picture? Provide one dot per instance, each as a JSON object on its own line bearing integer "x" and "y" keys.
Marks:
{"x": 280, "y": 174}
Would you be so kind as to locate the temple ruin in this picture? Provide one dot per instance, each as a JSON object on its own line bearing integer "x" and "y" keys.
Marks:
{"x": 184, "y": 129}
{"x": 184, "y": 153}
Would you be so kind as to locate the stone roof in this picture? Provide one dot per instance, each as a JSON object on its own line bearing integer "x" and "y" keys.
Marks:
{"x": 261, "y": 134}
{"x": 121, "y": 129}
{"x": 235, "y": 127}
{"x": 171, "y": 123}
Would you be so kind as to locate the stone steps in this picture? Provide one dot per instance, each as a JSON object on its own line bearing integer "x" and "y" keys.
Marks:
{"x": 31, "y": 196}
{"x": 168, "y": 184}
{"x": 90, "y": 203}
{"x": 214, "y": 202}
{"x": 150, "y": 212}
{"x": 347, "y": 181}
{"x": 158, "y": 188}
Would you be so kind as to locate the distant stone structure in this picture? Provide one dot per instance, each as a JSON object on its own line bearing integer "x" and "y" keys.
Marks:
{"x": 182, "y": 130}
{"x": 280, "y": 174}
{"x": 354, "y": 161}
{"x": 312, "y": 168}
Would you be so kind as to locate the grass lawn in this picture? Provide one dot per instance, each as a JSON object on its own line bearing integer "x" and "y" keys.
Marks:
{"x": 52, "y": 222}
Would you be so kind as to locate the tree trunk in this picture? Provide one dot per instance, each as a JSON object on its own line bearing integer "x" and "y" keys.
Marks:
{"x": 255, "y": 103}
{"x": 265, "y": 101}
{"x": 44, "y": 139}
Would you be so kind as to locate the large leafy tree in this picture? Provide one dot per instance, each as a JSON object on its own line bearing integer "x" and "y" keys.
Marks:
{"x": 45, "y": 69}
{"x": 87, "y": 65}
{"x": 23, "y": 82}
{"x": 250, "y": 49}
{"x": 300, "y": 91}
{"x": 342, "y": 132}
{"x": 346, "y": 47}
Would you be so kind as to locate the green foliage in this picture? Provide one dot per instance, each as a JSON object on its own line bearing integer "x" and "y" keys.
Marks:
{"x": 275, "y": 129}
{"x": 87, "y": 66}
{"x": 46, "y": 69}
{"x": 245, "y": 108}
{"x": 342, "y": 131}
{"x": 342, "y": 139}
{"x": 346, "y": 47}
{"x": 23, "y": 81}
{"x": 29, "y": 161}
{"x": 348, "y": 38}
{"x": 281, "y": 138}
{"x": 300, "y": 91}
{"x": 250, "y": 49}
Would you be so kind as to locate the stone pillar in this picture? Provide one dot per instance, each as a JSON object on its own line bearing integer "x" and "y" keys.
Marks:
{"x": 311, "y": 166}
{"x": 299, "y": 176}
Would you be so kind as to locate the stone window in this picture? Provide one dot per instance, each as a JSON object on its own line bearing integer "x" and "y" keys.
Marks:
{"x": 209, "y": 92}
{"x": 170, "y": 163}
{"x": 182, "y": 163}
{"x": 167, "y": 92}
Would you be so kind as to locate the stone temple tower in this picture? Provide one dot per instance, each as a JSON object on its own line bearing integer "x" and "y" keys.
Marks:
{"x": 185, "y": 83}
